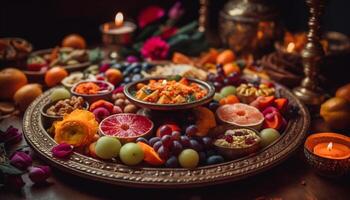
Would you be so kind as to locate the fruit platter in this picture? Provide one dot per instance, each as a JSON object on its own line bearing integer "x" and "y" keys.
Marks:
{"x": 166, "y": 131}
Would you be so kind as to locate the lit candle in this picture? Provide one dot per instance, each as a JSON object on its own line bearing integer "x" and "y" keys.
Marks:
{"x": 332, "y": 150}
{"x": 117, "y": 32}
{"x": 290, "y": 47}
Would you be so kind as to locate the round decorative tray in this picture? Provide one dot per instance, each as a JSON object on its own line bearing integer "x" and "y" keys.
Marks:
{"x": 120, "y": 174}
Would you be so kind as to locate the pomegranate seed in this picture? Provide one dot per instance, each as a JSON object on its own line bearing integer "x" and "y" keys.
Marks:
{"x": 229, "y": 138}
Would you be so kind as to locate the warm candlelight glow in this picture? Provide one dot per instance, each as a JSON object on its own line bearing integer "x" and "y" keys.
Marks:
{"x": 290, "y": 47}
{"x": 119, "y": 19}
{"x": 330, "y": 146}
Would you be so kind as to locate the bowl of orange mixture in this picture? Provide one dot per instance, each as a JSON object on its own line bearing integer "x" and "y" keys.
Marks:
{"x": 92, "y": 90}
{"x": 169, "y": 93}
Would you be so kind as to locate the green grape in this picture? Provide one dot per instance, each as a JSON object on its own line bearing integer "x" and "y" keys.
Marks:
{"x": 188, "y": 158}
{"x": 107, "y": 147}
{"x": 59, "y": 93}
{"x": 131, "y": 154}
{"x": 225, "y": 91}
{"x": 268, "y": 135}
{"x": 217, "y": 97}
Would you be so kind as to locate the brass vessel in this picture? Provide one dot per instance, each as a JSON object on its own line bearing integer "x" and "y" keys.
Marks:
{"x": 249, "y": 26}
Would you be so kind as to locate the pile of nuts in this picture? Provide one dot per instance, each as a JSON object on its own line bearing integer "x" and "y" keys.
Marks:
{"x": 66, "y": 106}
{"x": 121, "y": 101}
{"x": 249, "y": 92}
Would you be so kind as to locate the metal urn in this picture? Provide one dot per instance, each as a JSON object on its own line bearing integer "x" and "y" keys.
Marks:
{"x": 249, "y": 26}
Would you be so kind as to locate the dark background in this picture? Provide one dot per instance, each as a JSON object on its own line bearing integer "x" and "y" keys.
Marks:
{"x": 45, "y": 22}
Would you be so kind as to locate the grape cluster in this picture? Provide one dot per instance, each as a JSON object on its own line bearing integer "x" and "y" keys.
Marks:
{"x": 171, "y": 143}
{"x": 132, "y": 71}
{"x": 219, "y": 79}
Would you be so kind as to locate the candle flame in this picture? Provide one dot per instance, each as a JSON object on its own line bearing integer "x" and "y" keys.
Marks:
{"x": 290, "y": 47}
{"x": 119, "y": 19}
{"x": 330, "y": 146}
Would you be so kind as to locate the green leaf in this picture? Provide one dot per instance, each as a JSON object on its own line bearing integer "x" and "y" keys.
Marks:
{"x": 95, "y": 55}
{"x": 176, "y": 77}
{"x": 147, "y": 32}
{"x": 190, "y": 98}
{"x": 6, "y": 168}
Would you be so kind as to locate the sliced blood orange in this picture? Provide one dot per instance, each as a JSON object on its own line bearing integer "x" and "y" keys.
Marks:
{"x": 241, "y": 115}
{"x": 126, "y": 127}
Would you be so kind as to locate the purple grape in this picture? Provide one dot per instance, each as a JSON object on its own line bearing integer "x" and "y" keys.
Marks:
{"x": 175, "y": 135}
{"x": 176, "y": 148}
{"x": 220, "y": 71}
{"x": 218, "y": 78}
{"x": 210, "y": 152}
{"x": 202, "y": 157}
{"x": 211, "y": 77}
{"x": 194, "y": 144}
{"x": 218, "y": 85}
{"x": 172, "y": 162}
{"x": 142, "y": 139}
{"x": 191, "y": 130}
{"x": 157, "y": 145}
{"x": 163, "y": 152}
{"x": 153, "y": 140}
{"x": 234, "y": 78}
{"x": 165, "y": 130}
{"x": 166, "y": 141}
{"x": 213, "y": 106}
{"x": 207, "y": 142}
{"x": 185, "y": 141}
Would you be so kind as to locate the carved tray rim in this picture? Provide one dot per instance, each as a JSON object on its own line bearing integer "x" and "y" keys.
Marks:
{"x": 144, "y": 177}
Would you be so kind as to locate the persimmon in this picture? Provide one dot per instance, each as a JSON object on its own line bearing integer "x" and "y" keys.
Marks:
{"x": 151, "y": 156}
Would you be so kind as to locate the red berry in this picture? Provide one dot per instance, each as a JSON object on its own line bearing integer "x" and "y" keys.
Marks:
{"x": 229, "y": 138}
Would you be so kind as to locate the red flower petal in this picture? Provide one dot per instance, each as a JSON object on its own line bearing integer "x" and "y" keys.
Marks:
{"x": 62, "y": 150}
{"x": 149, "y": 15}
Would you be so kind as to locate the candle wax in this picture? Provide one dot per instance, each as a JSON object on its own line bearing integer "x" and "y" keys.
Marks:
{"x": 124, "y": 28}
{"x": 338, "y": 151}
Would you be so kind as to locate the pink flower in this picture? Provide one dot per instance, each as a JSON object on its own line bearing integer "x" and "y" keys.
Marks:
{"x": 175, "y": 11}
{"x": 11, "y": 136}
{"x": 15, "y": 182}
{"x": 132, "y": 59}
{"x": 167, "y": 32}
{"x": 155, "y": 49}
{"x": 149, "y": 15}
{"x": 39, "y": 173}
{"x": 62, "y": 150}
{"x": 21, "y": 160}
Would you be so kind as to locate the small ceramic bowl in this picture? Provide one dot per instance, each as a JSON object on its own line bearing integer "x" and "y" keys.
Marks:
{"x": 94, "y": 97}
{"x": 327, "y": 167}
{"x": 47, "y": 119}
{"x": 129, "y": 88}
{"x": 233, "y": 153}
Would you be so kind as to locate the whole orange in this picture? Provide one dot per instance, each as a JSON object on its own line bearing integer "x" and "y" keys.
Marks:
{"x": 55, "y": 75}
{"x": 26, "y": 95}
{"x": 225, "y": 57}
{"x": 11, "y": 80}
{"x": 229, "y": 68}
{"x": 114, "y": 76}
{"x": 74, "y": 41}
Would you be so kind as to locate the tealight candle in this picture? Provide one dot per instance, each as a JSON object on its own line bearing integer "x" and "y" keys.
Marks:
{"x": 118, "y": 32}
{"x": 328, "y": 153}
{"x": 332, "y": 150}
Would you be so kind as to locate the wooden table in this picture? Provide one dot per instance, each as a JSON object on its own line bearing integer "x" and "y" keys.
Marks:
{"x": 293, "y": 179}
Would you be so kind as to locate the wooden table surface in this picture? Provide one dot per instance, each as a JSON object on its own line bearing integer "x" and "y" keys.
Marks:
{"x": 292, "y": 179}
